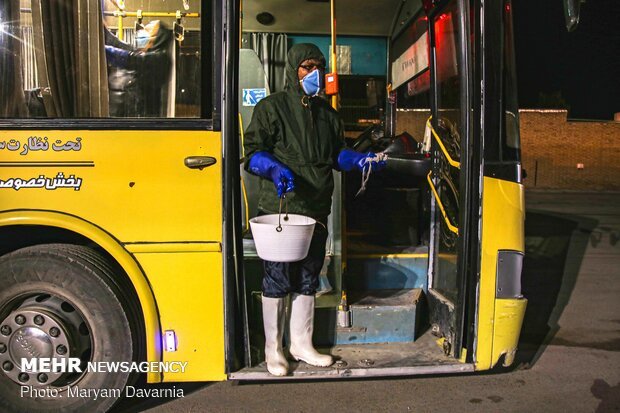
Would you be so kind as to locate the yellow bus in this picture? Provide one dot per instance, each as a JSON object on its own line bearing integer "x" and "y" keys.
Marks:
{"x": 123, "y": 208}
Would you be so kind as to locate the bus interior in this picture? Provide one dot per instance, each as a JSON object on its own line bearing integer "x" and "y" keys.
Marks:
{"x": 372, "y": 308}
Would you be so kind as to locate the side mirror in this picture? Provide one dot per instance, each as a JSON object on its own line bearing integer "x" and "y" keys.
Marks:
{"x": 571, "y": 13}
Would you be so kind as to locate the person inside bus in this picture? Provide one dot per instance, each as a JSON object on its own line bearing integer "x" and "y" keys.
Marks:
{"x": 138, "y": 76}
{"x": 293, "y": 141}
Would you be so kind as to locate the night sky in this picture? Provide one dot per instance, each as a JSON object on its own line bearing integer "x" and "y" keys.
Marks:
{"x": 582, "y": 67}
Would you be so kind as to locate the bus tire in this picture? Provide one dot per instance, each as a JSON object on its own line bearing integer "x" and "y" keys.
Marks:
{"x": 60, "y": 301}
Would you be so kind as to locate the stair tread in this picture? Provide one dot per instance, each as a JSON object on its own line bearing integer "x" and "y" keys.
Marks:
{"x": 388, "y": 298}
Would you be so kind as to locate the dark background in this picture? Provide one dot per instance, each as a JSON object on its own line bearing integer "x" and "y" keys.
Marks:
{"x": 577, "y": 71}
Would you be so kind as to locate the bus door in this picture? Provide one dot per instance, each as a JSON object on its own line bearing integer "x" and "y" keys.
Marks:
{"x": 450, "y": 176}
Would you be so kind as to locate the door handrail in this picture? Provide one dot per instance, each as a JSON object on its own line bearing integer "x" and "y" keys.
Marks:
{"x": 451, "y": 227}
{"x": 451, "y": 161}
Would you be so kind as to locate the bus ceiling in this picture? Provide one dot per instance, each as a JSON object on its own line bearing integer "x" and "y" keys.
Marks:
{"x": 371, "y": 17}
{"x": 355, "y": 17}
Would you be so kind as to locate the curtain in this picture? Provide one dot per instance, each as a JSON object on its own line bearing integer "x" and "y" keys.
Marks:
{"x": 71, "y": 63}
{"x": 12, "y": 103}
{"x": 92, "y": 72}
{"x": 170, "y": 91}
{"x": 271, "y": 48}
{"x": 29, "y": 56}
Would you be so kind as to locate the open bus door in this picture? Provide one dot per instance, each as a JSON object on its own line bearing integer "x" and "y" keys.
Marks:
{"x": 451, "y": 177}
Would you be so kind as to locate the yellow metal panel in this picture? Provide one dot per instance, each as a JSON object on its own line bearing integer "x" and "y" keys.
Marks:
{"x": 503, "y": 212}
{"x": 189, "y": 291}
{"x": 134, "y": 184}
{"x": 143, "y": 290}
{"x": 134, "y": 187}
{"x": 508, "y": 320}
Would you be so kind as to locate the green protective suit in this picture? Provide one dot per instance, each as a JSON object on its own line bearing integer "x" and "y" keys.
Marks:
{"x": 307, "y": 139}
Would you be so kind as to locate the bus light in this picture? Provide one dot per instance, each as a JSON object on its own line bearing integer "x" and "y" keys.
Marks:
{"x": 170, "y": 340}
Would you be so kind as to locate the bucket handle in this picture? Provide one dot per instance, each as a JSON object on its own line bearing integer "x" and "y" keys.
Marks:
{"x": 283, "y": 197}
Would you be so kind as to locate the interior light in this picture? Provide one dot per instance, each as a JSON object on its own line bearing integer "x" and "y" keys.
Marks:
{"x": 265, "y": 18}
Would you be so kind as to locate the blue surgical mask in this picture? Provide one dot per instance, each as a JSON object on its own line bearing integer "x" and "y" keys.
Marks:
{"x": 142, "y": 39}
{"x": 312, "y": 83}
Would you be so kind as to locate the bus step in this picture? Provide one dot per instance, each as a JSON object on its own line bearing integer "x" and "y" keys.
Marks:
{"x": 377, "y": 316}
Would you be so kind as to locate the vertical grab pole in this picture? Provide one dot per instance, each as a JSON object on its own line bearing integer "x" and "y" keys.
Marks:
{"x": 333, "y": 57}
{"x": 120, "y": 34}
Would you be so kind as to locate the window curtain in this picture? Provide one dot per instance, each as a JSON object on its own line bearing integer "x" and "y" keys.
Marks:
{"x": 271, "y": 48}
{"x": 12, "y": 102}
{"x": 29, "y": 58}
{"x": 71, "y": 64}
{"x": 171, "y": 95}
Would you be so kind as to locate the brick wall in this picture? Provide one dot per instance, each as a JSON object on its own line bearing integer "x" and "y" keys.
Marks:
{"x": 552, "y": 147}
{"x": 413, "y": 122}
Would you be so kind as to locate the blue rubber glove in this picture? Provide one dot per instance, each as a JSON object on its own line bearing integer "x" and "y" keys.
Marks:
{"x": 267, "y": 166}
{"x": 349, "y": 159}
{"x": 117, "y": 57}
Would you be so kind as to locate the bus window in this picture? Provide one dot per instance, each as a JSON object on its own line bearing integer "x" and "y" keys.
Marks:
{"x": 11, "y": 97}
{"x": 510, "y": 136}
{"x": 103, "y": 63}
{"x": 502, "y": 156}
{"x": 448, "y": 79}
{"x": 417, "y": 93}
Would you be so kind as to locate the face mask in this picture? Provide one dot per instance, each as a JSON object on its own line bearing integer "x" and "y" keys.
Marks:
{"x": 142, "y": 39}
{"x": 312, "y": 83}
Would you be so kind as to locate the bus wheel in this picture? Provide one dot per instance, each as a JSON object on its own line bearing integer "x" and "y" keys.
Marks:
{"x": 59, "y": 305}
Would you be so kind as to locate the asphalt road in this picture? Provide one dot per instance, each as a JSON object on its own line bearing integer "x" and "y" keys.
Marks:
{"x": 569, "y": 358}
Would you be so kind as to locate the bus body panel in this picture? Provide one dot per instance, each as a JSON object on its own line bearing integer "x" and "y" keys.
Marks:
{"x": 503, "y": 211}
{"x": 189, "y": 291}
{"x": 509, "y": 313}
{"x": 134, "y": 184}
{"x": 131, "y": 193}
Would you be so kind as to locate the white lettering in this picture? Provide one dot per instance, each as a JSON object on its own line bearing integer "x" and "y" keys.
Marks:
{"x": 73, "y": 391}
{"x": 137, "y": 367}
{"x": 74, "y": 365}
{"x": 131, "y": 391}
{"x": 94, "y": 394}
{"x": 45, "y": 365}
{"x": 29, "y": 366}
{"x": 51, "y": 365}
{"x": 29, "y": 391}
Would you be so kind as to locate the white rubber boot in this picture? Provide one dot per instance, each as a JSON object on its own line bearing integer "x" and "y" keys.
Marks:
{"x": 274, "y": 313}
{"x": 301, "y": 328}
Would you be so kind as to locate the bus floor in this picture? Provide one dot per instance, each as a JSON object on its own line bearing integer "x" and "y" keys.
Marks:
{"x": 423, "y": 356}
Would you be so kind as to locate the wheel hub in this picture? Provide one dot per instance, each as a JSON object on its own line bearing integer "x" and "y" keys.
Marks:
{"x": 36, "y": 332}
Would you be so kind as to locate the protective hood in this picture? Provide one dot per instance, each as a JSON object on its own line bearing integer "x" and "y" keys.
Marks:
{"x": 297, "y": 54}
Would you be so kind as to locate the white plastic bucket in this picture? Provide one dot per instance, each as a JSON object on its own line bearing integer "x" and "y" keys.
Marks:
{"x": 289, "y": 245}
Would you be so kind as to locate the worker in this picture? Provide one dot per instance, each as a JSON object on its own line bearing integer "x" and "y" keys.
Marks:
{"x": 138, "y": 76}
{"x": 293, "y": 141}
